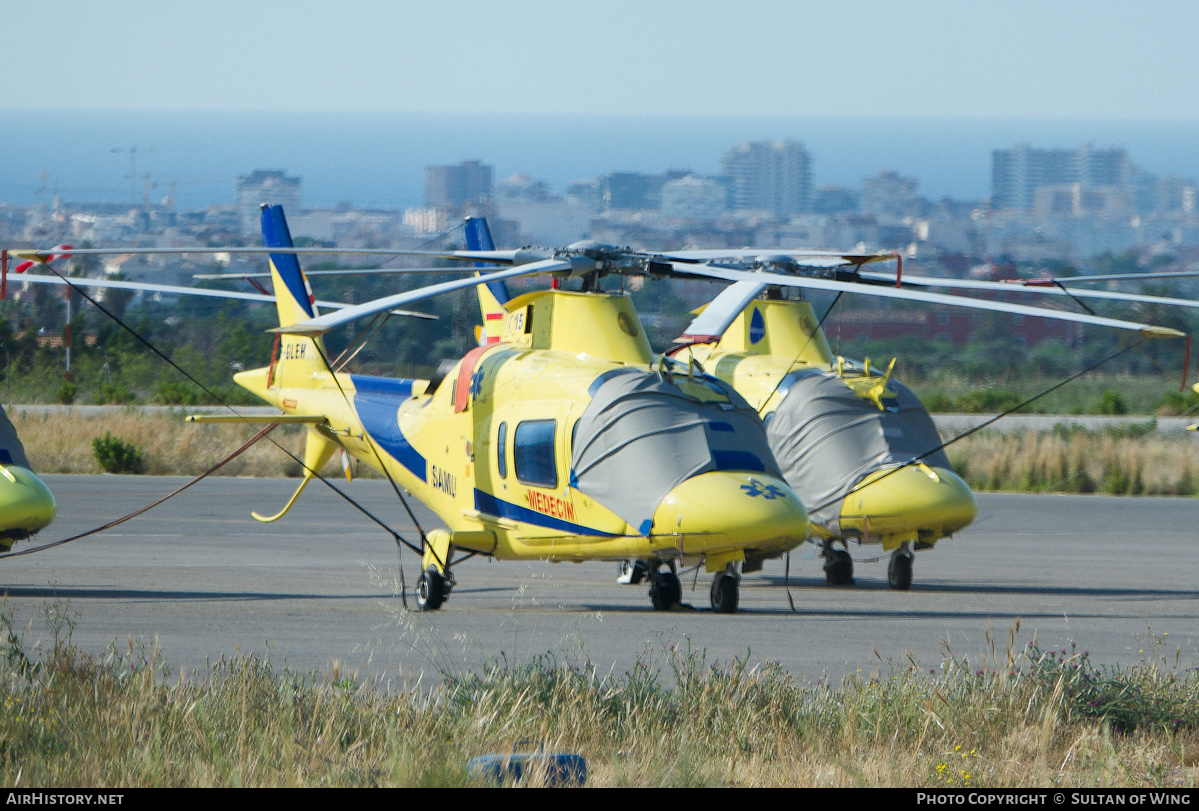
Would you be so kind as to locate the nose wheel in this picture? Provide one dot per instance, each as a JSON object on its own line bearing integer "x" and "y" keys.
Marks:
{"x": 432, "y": 589}
{"x": 665, "y": 591}
{"x": 838, "y": 566}
{"x": 726, "y": 591}
{"x": 631, "y": 572}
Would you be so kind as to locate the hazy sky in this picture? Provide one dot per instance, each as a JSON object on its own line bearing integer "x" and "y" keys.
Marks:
{"x": 915, "y": 58}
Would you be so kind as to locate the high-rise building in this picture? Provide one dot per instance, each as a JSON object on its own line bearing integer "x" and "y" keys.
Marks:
{"x": 627, "y": 191}
{"x": 1017, "y": 173}
{"x": 454, "y": 186}
{"x": 889, "y": 194}
{"x": 269, "y": 186}
{"x": 693, "y": 197}
{"x": 774, "y": 176}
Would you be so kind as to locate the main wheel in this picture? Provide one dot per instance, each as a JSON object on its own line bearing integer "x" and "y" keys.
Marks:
{"x": 431, "y": 590}
{"x": 725, "y": 593}
{"x": 899, "y": 571}
{"x": 838, "y": 567}
{"x": 665, "y": 591}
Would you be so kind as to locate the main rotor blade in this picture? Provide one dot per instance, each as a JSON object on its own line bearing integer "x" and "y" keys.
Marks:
{"x": 346, "y": 272}
{"x": 710, "y": 272}
{"x": 146, "y": 287}
{"x": 1109, "y": 277}
{"x": 324, "y": 323}
{"x": 709, "y": 325}
{"x": 41, "y": 255}
{"x": 1015, "y": 287}
{"x": 822, "y": 259}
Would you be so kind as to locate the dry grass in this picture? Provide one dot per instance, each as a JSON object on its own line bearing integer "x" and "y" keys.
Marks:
{"x": 1035, "y": 719}
{"x": 1134, "y": 461}
{"x": 1075, "y": 461}
{"x": 62, "y": 443}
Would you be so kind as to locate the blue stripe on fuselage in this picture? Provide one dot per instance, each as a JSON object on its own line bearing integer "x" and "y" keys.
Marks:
{"x": 489, "y": 504}
{"x": 377, "y": 400}
{"x": 398, "y": 387}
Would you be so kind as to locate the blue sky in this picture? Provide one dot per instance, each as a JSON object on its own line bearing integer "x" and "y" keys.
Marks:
{"x": 919, "y": 58}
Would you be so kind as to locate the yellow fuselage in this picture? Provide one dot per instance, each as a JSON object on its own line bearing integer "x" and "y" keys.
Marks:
{"x": 26, "y": 505}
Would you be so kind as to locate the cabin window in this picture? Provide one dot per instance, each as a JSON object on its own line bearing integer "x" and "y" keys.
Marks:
{"x": 501, "y": 450}
{"x": 533, "y": 453}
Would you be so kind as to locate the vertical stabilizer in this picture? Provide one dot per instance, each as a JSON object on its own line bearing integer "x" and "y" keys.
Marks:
{"x": 296, "y": 357}
{"x": 293, "y": 296}
{"x": 493, "y": 296}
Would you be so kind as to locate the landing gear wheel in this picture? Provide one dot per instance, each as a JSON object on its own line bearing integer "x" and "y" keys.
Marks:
{"x": 431, "y": 590}
{"x": 665, "y": 591}
{"x": 632, "y": 572}
{"x": 725, "y": 593}
{"x": 838, "y": 567}
{"x": 899, "y": 571}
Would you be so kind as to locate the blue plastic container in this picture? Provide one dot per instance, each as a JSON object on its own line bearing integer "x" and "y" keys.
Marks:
{"x": 558, "y": 769}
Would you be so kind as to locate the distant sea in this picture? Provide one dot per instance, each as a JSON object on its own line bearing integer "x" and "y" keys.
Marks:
{"x": 378, "y": 160}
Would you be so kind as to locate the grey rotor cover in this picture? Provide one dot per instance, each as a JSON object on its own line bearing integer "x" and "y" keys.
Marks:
{"x": 826, "y": 438}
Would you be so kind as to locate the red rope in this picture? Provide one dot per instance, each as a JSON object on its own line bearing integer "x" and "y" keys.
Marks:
{"x": 149, "y": 507}
{"x": 1186, "y": 362}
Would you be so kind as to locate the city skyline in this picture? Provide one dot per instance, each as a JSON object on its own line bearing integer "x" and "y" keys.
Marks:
{"x": 378, "y": 161}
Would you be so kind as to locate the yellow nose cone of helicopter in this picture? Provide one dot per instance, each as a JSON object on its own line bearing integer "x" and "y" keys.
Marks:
{"x": 916, "y": 501}
{"x": 724, "y": 510}
{"x": 26, "y": 504}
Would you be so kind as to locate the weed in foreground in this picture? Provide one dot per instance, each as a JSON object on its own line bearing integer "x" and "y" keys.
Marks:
{"x": 1027, "y": 717}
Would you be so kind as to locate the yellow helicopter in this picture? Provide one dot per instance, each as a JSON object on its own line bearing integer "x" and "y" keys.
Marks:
{"x": 844, "y": 434}
{"x": 857, "y": 447}
{"x": 452, "y": 440}
{"x": 26, "y": 504}
{"x": 567, "y": 440}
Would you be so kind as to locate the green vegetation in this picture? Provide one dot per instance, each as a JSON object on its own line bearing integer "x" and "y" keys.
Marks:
{"x": 114, "y": 455}
{"x": 1025, "y": 717}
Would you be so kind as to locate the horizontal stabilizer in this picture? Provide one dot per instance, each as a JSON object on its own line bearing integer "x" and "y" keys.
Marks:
{"x": 284, "y": 419}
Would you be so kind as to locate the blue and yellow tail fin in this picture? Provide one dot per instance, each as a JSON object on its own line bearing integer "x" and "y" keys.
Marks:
{"x": 296, "y": 357}
{"x": 293, "y": 295}
{"x": 493, "y": 296}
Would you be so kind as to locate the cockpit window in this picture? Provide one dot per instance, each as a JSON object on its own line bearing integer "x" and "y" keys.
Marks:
{"x": 533, "y": 453}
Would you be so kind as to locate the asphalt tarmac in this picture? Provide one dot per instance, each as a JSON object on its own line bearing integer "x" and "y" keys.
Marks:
{"x": 201, "y": 580}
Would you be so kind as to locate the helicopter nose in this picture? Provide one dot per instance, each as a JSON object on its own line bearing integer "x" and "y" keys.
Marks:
{"x": 722, "y": 510}
{"x": 918, "y": 501}
{"x": 26, "y": 504}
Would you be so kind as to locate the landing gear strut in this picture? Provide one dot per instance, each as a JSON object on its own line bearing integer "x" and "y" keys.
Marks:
{"x": 838, "y": 566}
{"x": 726, "y": 590}
{"x": 899, "y": 570}
{"x": 665, "y": 591}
